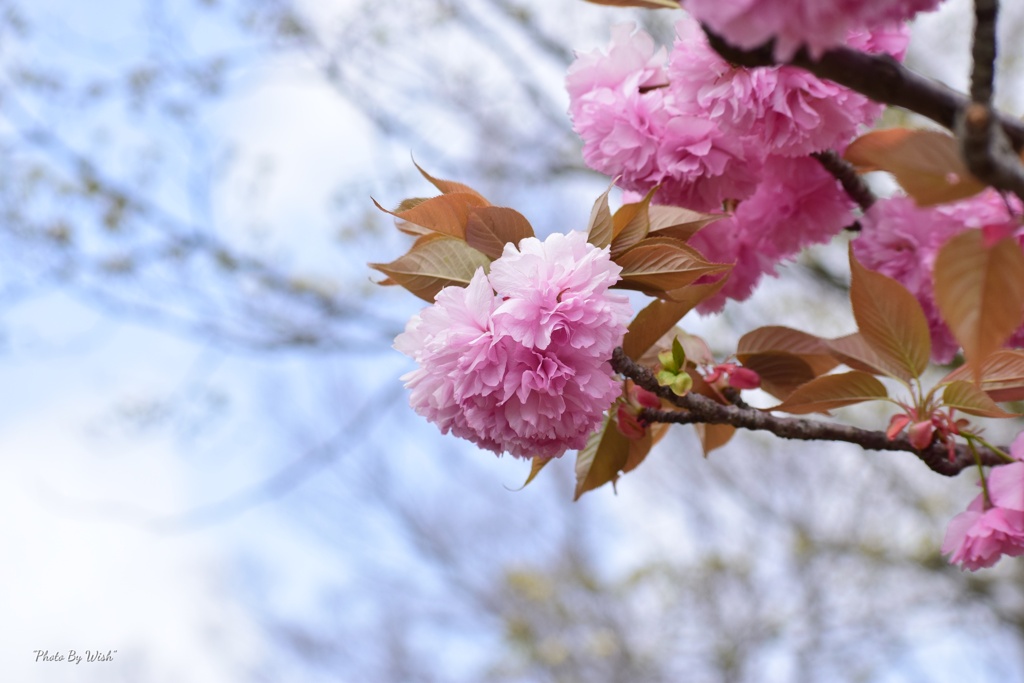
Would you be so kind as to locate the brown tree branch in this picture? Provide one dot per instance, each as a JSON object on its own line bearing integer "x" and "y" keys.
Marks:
{"x": 983, "y": 51}
{"x": 985, "y": 148}
{"x": 847, "y": 175}
{"x": 697, "y": 409}
{"x": 879, "y": 77}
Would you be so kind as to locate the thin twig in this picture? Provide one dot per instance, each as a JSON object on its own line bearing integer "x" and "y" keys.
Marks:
{"x": 697, "y": 409}
{"x": 847, "y": 175}
{"x": 986, "y": 151}
{"x": 879, "y": 77}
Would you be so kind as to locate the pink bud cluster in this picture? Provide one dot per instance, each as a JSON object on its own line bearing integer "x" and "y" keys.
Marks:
{"x": 712, "y": 135}
{"x": 993, "y": 524}
{"x": 902, "y": 240}
{"x": 518, "y": 360}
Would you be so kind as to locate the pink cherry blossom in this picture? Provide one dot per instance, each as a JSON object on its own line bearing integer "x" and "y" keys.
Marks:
{"x": 556, "y": 293}
{"x": 633, "y": 129}
{"x": 781, "y": 110}
{"x": 702, "y": 167}
{"x": 797, "y": 204}
{"x": 977, "y": 538}
{"x": 631, "y": 55}
{"x": 793, "y": 24}
{"x": 445, "y": 339}
{"x": 1006, "y": 486}
{"x": 617, "y": 106}
{"x": 524, "y": 369}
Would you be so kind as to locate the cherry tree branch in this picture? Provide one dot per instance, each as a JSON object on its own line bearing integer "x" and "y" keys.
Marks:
{"x": 847, "y": 175}
{"x": 986, "y": 150}
{"x": 879, "y": 77}
{"x": 697, "y": 409}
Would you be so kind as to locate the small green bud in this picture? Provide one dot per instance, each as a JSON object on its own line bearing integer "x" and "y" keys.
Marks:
{"x": 682, "y": 385}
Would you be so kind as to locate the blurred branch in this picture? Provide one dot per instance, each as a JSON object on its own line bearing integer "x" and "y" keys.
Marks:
{"x": 880, "y": 78}
{"x": 702, "y": 410}
{"x": 986, "y": 149}
{"x": 847, "y": 175}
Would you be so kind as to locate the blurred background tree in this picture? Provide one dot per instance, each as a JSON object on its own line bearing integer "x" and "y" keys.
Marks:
{"x": 185, "y": 201}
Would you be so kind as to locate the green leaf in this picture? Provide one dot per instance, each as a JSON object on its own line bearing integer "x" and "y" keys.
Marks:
{"x": 968, "y": 398}
{"x": 447, "y": 214}
{"x": 600, "y": 227}
{"x": 599, "y": 462}
{"x": 630, "y": 224}
{"x": 980, "y": 293}
{"x": 926, "y": 163}
{"x": 659, "y": 316}
{"x": 662, "y": 264}
{"x": 433, "y": 263}
{"x": 490, "y": 228}
{"x": 1002, "y": 375}
{"x": 678, "y": 354}
{"x": 890, "y": 319}
{"x": 833, "y": 391}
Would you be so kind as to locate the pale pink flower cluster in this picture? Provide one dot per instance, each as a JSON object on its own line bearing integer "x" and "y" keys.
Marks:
{"x": 902, "y": 240}
{"x": 793, "y": 24}
{"x": 987, "y": 530}
{"x": 711, "y": 134}
{"x": 518, "y": 360}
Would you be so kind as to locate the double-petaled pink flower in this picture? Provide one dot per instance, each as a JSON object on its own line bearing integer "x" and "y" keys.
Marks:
{"x": 989, "y": 529}
{"x": 518, "y": 361}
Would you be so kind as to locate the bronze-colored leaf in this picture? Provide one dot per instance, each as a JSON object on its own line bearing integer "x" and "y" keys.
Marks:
{"x": 601, "y": 460}
{"x": 662, "y": 264}
{"x": 446, "y": 214}
{"x": 890, "y": 319}
{"x": 833, "y": 391}
{"x": 713, "y": 436}
{"x": 630, "y": 224}
{"x": 639, "y": 449}
{"x": 968, "y": 398}
{"x": 926, "y": 163}
{"x": 1002, "y": 375}
{"x": 814, "y": 351}
{"x": 490, "y": 228}
{"x": 658, "y": 317}
{"x": 855, "y": 352}
{"x": 449, "y": 186}
{"x": 600, "y": 227}
{"x": 781, "y": 373}
{"x": 677, "y": 222}
{"x": 433, "y": 263}
{"x": 536, "y": 465}
{"x": 980, "y": 292}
